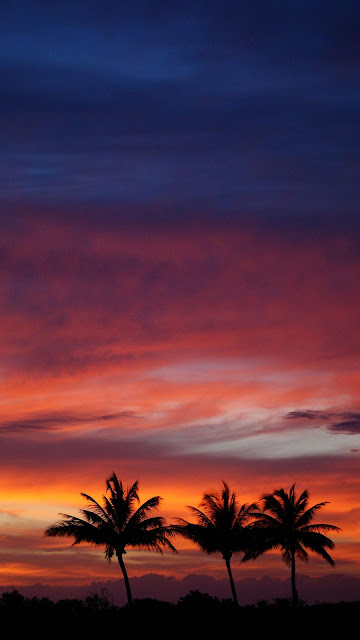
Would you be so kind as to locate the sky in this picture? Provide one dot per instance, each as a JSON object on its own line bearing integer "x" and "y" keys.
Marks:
{"x": 179, "y": 247}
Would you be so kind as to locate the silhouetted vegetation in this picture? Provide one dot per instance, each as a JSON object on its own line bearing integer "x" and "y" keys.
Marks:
{"x": 117, "y": 525}
{"x": 196, "y": 615}
{"x": 222, "y": 527}
{"x": 285, "y": 523}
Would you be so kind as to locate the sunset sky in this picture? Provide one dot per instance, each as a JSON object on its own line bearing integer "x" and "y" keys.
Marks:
{"x": 179, "y": 268}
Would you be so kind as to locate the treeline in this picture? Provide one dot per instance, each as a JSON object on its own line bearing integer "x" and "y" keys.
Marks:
{"x": 196, "y": 615}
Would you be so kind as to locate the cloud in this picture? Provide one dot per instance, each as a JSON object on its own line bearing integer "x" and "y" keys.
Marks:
{"x": 57, "y": 420}
{"x": 86, "y": 300}
{"x": 349, "y": 422}
{"x": 309, "y": 414}
{"x": 349, "y": 427}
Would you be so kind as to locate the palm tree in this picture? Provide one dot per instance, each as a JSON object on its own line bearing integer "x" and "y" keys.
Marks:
{"x": 221, "y": 527}
{"x": 285, "y": 523}
{"x": 117, "y": 525}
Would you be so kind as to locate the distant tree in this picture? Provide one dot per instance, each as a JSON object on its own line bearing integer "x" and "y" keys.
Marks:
{"x": 12, "y": 599}
{"x": 197, "y": 600}
{"x": 117, "y": 525}
{"x": 222, "y": 527}
{"x": 285, "y": 523}
{"x": 99, "y": 601}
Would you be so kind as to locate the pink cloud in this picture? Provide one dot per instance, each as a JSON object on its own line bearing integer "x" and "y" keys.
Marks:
{"x": 172, "y": 354}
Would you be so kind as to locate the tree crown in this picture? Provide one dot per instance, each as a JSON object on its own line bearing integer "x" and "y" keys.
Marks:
{"x": 222, "y": 524}
{"x": 285, "y": 522}
{"x": 117, "y": 523}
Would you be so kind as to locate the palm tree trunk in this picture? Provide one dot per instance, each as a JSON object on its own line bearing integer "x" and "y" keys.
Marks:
{"x": 295, "y": 595}
{"x": 233, "y": 590}
{"x": 126, "y": 579}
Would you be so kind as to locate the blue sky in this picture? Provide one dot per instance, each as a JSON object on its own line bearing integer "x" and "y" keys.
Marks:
{"x": 121, "y": 105}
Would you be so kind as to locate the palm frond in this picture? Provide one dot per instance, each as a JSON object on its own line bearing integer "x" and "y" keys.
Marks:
{"x": 109, "y": 552}
{"x": 115, "y": 516}
{"x": 301, "y": 553}
{"x": 320, "y": 527}
{"x": 324, "y": 555}
{"x": 201, "y": 517}
{"x": 140, "y": 514}
{"x": 120, "y": 502}
{"x": 79, "y": 530}
{"x": 258, "y": 547}
{"x": 317, "y": 543}
{"x": 96, "y": 507}
{"x": 205, "y": 538}
{"x": 301, "y": 503}
{"x": 132, "y": 495}
{"x": 156, "y": 522}
{"x": 220, "y": 508}
{"x": 210, "y": 503}
{"x": 180, "y": 523}
{"x": 112, "y": 481}
{"x": 153, "y": 539}
{"x": 286, "y": 556}
{"x": 313, "y": 539}
{"x": 93, "y": 517}
{"x": 274, "y": 506}
{"x": 264, "y": 520}
{"x": 245, "y": 512}
{"x": 309, "y": 514}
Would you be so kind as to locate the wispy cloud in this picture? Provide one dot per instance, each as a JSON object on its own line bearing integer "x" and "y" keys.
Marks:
{"x": 350, "y": 427}
{"x": 58, "y": 420}
{"x": 345, "y": 422}
{"x": 308, "y": 414}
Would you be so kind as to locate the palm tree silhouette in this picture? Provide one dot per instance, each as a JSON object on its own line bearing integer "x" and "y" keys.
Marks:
{"x": 285, "y": 523}
{"x": 221, "y": 527}
{"x": 117, "y": 525}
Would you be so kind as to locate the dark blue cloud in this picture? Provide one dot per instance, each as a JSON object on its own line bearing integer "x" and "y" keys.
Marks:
{"x": 343, "y": 422}
{"x": 56, "y": 420}
{"x": 232, "y": 109}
